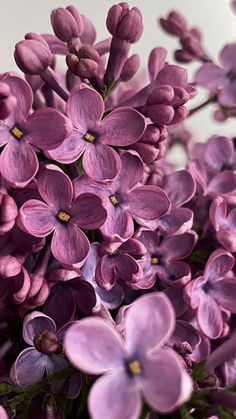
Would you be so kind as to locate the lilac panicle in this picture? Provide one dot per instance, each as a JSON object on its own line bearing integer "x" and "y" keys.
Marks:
{"x": 130, "y": 367}
{"x": 62, "y": 215}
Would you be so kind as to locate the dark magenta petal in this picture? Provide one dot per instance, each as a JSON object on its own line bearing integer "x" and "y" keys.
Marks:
{"x": 55, "y": 363}
{"x": 106, "y": 355}
{"x": 148, "y": 202}
{"x": 101, "y": 162}
{"x": 23, "y": 93}
{"x": 69, "y": 245}
{"x": 28, "y": 368}
{"x": 174, "y": 272}
{"x": 179, "y": 187}
{"x": 37, "y": 218}
{"x": 149, "y": 238}
{"x": 84, "y": 184}
{"x": 177, "y": 221}
{"x": 88, "y": 212}
{"x": 210, "y": 76}
{"x": 85, "y": 108}
{"x": 155, "y": 317}
{"x": 172, "y": 75}
{"x": 119, "y": 223}
{"x": 130, "y": 174}
{"x": 47, "y": 128}
{"x": 165, "y": 364}
{"x": 18, "y": 163}
{"x": 55, "y": 188}
{"x": 105, "y": 274}
{"x": 70, "y": 149}
{"x": 122, "y": 127}
{"x": 218, "y": 265}
{"x": 185, "y": 332}
{"x": 156, "y": 61}
{"x": 115, "y": 396}
{"x": 178, "y": 247}
{"x": 34, "y": 323}
{"x": 63, "y": 312}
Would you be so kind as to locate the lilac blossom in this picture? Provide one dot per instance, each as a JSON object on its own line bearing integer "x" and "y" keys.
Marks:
{"x": 224, "y": 225}
{"x": 44, "y": 354}
{"x": 62, "y": 215}
{"x": 43, "y": 129}
{"x": 94, "y": 137}
{"x": 124, "y": 198}
{"x": 164, "y": 259}
{"x": 133, "y": 367}
{"x": 213, "y": 292}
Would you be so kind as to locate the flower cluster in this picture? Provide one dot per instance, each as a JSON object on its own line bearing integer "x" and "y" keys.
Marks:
{"x": 117, "y": 277}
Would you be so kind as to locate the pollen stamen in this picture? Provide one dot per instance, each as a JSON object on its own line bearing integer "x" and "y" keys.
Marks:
{"x": 16, "y": 132}
{"x": 114, "y": 200}
{"x": 63, "y": 216}
{"x": 134, "y": 367}
{"x": 154, "y": 260}
{"x": 89, "y": 137}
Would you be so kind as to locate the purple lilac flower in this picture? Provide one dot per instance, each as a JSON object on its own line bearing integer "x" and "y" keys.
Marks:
{"x": 62, "y": 215}
{"x": 133, "y": 367}
{"x": 124, "y": 198}
{"x": 43, "y": 129}
{"x": 8, "y": 212}
{"x": 14, "y": 281}
{"x": 224, "y": 225}
{"x": 164, "y": 259}
{"x": 45, "y": 352}
{"x": 213, "y": 292}
{"x": 94, "y": 137}
{"x": 221, "y": 79}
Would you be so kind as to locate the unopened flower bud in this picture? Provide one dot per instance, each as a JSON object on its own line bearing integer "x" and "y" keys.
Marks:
{"x": 67, "y": 23}
{"x": 47, "y": 342}
{"x": 7, "y": 101}
{"x": 124, "y": 23}
{"x": 175, "y": 24}
{"x": 33, "y": 56}
{"x": 9, "y": 266}
{"x": 8, "y": 212}
{"x": 130, "y": 68}
{"x": 83, "y": 60}
{"x": 192, "y": 45}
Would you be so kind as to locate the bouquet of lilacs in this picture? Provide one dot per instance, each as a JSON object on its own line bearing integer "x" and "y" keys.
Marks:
{"x": 117, "y": 280}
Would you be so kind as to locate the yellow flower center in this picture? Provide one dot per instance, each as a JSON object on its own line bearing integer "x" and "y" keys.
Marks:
{"x": 63, "y": 216}
{"x": 134, "y": 367}
{"x": 16, "y": 133}
{"x": 154, "y": 260}
{"x": 89, "y": 137}
{"x": 114, "y": 200}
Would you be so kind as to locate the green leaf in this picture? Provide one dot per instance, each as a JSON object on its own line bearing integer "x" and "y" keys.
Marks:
{"x": 200, "y": 372}
{"x": 224, "y": 413}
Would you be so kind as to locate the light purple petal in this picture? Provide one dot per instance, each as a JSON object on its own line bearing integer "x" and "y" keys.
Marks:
{"x": 177, "y": 221}
{"x": 35, "y": 323}
{"x": 218, "y": 265}
{"x": 55, "y": 188}
{"x": 209, "y": 317}
{"x": 210, "y": 76}
{"x": 148, "y": 202}
{"x": 218, "y": 151}
{"x": 106, "y": 273}
{"x": 223, "y": 183}
{"x": 149, "y": 238}
{"x": 18, "y": 163}
{"x": 218, "y": 212}
{"x": 178, "y": 247}
{"x": 55, "y": 363}
{"x": 165, "y": 371}
{"x": 156, "y": 61}
{"x": 37, "y": 218}
{"x": 130, "y": 174}
{"x": 114, "y": 396}
{"x": 101, "y": 162}
{"x": 119, "y": 223}
{"x": 28, "y": 368}
{"x": 227, "y": 57}
{"x": 172, "y": 75}
{"x": 155, "y": 317}
{"x": 85, "y": 108}
{"x": 23, "y": 93}
{"x": 84, "y": 184}
{"x": 47, "y": 128}
{"x": 174, "y": 272}
{"x": 179, "y": 187}
{"x": 88, "y": 212}
{"x": 224, "y": 292}
{"x": 122, "y": 127}
{"x": 227, "y": 96}
{"x": 70, "y": 245}
{"x": 70, "y": 149}
{"x": 108, "y": 353}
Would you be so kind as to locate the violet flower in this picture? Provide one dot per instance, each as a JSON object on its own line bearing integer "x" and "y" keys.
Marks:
{"x": 221, "y": 78}
{"x": 62, "y": 215}
{"x": 123, "y": 198}
{"x": 44, "y": 354}
{"x": 21, "y": 132}
{"x": 224, "y": 225}
{"x": 132, "y": 368}
{"x": 213, "y": 292}
{"x": 94, "y": 137}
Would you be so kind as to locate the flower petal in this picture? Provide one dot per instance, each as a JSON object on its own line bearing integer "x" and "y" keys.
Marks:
{"x": 106, "y": 355}
{"x": 101, "y": 162}
{"x": 152, "y": 316}
{"x": 119, "y": 223}
{"x": 218, "y": 151}
{"x": 37, "y": 218}
{"x": 35, "y": 323}
{"x": 69, "y": 150}
{"x": 227, "y": 95}
{"x": 18, "y": 163}
{"x": 23, "y": 93}
{"x": 85, "y": 108}
{"x": 219, "y": 264}
{"x": 179, "y": 187}
{"x": 209, "y": 317}
{"x": 114, "y": 396}
{"x": 55, "y": 188}
{"x": 130, "y": 174}
{"x": 227, "y": 57}
{"x": 210, "y": 76}
{"x": 88, "y": 212}
{"x": 224, "y": 292}
{"x": 178, "y": 247}
{"x": 70, "y": 245}
{"x": 122, "y": 127}
{"x": 148, "y": 202}
{"x": 28, "y": 368}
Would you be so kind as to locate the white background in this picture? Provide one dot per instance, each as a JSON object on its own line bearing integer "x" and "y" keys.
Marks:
{"x": 214, "y": 17}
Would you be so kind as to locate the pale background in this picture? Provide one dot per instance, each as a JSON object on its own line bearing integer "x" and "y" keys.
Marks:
{"x": 215, "y": 17}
